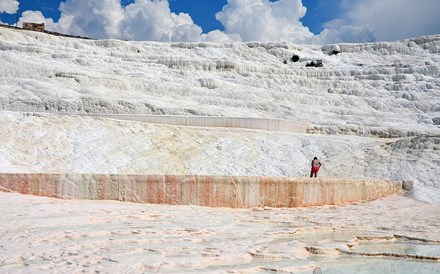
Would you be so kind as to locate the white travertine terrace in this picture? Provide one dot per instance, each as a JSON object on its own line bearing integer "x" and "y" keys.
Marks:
{"x": 214, "y": 191}
{"x": 373, "y": 111}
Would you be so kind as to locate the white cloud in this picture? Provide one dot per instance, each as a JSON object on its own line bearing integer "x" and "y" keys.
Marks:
{"x": 394, "y": 20}
{"x": 219, "y": 36}
{"x": 346, "y": 34}
{"x": 153, "y": 20}
{"x": 362, "y": 21}
{"x": 266, "y": 21}
{"x": 8, "y": 6}
{"x": 95, "y": 18}
{"x": 341, "y": 31}
{"x": 243, "y": 20}
{"x": 142, "y": 20}
{"x": 36, "y": 17}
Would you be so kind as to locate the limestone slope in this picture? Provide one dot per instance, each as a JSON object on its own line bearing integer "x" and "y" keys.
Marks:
{"x": 374, "y": 109}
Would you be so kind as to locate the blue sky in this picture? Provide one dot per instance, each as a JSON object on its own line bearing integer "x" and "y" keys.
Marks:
{"x": 296, "y": 21}
{"x": 202, "y": 11}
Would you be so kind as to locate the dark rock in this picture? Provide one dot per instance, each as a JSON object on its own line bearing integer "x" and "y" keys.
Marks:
{"x": 315, "y": 63}
{"x": 295, "y": 58}
{"x": 436, "y": 121}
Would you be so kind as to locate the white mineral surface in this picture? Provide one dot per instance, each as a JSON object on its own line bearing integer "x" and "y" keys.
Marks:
{"x": 373, "y": 111}
{"x": 49, "y": 235}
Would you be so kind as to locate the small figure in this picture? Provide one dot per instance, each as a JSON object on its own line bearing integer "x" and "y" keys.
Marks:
{"x": 317, "y": 270}
{"x": 316, "y": 164}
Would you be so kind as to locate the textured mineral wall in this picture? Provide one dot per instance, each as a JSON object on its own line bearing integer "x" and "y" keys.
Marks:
{"x": 214, "y": 191}
{"x": 205, "y": 121}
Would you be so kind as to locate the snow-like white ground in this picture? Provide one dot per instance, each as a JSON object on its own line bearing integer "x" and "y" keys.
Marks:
{"x": 44, "y": 235}
{"x": 374, "y": 111}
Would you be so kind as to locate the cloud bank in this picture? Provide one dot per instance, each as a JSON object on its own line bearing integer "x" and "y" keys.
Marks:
{"x": 8, "y": 6}
{"x": 263, "y": 20}
{"x": 243, "y": 20}
{"x": 394, "y": 20}
{"x": 142, "y": 20}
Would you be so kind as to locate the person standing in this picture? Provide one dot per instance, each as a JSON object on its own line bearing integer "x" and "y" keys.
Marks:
{"x": 316, "y": 164}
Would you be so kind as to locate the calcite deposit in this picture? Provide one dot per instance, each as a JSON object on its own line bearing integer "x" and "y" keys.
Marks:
{"x": 214, "y": 191}
{"x": 395, "y": 234}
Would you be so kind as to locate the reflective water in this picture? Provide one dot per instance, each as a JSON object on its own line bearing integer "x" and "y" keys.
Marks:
{"x": 330, "y": 265}
{"x": 376, "y": 253}
{"x": 400, "y": 247}
{"x": 368, "y": 265}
